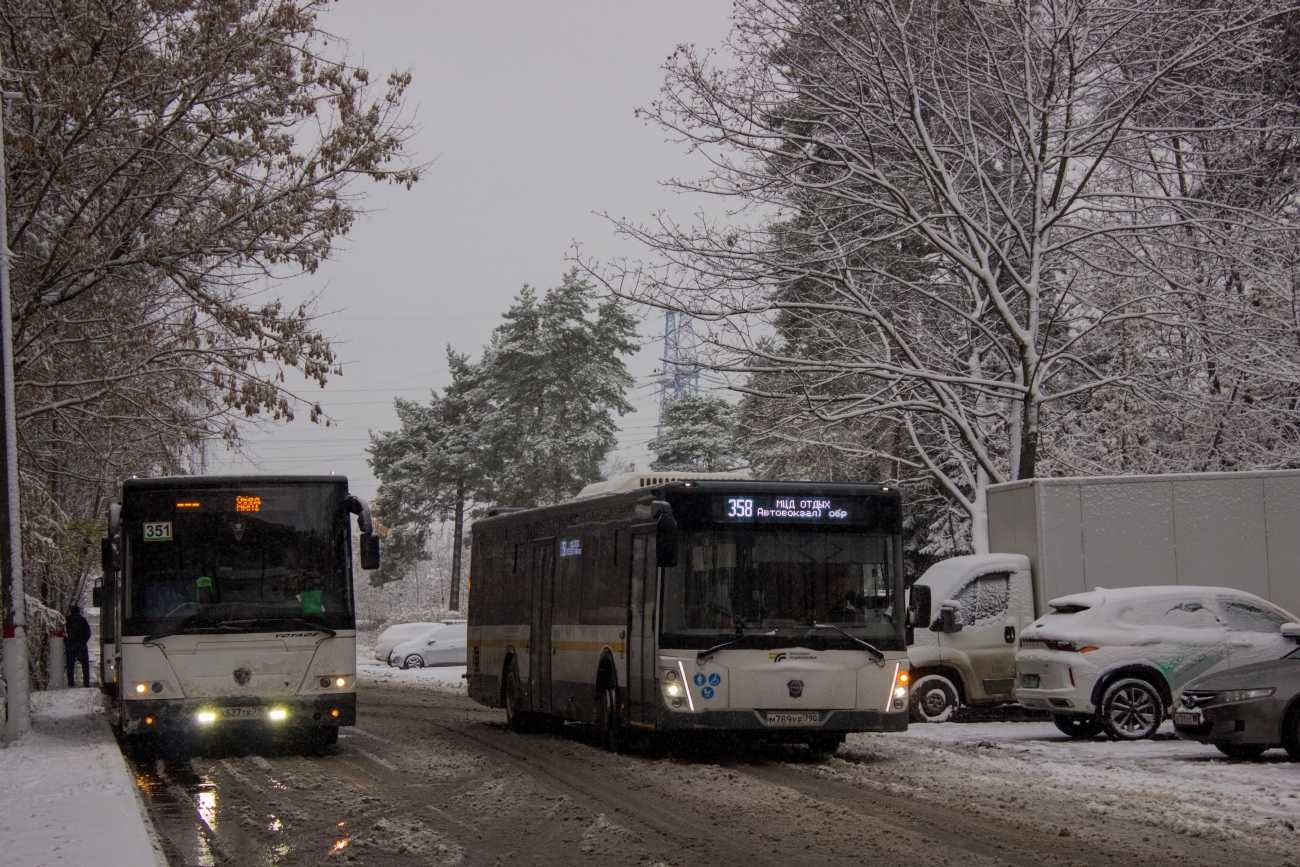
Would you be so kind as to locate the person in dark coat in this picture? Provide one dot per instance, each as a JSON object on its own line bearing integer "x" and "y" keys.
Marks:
{"x": 76, "y": 645}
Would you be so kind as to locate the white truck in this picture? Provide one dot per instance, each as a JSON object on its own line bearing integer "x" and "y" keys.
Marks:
{"x": 1058, "y": 536}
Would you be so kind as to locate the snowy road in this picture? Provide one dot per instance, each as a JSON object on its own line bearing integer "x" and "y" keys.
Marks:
{"x": 428, "y": 777}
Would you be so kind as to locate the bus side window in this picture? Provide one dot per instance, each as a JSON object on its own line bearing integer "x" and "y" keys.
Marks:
{"x": 592, "y": 551}
{"x": 568, "y": 595}
{"x": 611, "y": 589}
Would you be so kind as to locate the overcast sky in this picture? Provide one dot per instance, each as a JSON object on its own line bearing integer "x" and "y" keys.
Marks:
{"x": 526, "y": 115}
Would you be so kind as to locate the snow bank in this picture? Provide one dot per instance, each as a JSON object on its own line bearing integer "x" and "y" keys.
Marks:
{"x": 372, "y": 671}
{"x": 1166, "y": 783}
{"x": 67, "y": 797}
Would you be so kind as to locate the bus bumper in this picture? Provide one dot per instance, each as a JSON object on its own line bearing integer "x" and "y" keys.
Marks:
{"x": 183, "y": 714}
{"x": 756, "y": 721}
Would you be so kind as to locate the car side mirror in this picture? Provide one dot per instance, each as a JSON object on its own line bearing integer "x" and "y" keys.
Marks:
{"x": 369, "y": 551}
{"x": 950, "y": 616}
{"x": 1291, "y": 631}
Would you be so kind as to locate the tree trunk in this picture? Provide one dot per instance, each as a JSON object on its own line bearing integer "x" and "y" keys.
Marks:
{"x": 458, "y": 532}
{"x": 979, "y": 519}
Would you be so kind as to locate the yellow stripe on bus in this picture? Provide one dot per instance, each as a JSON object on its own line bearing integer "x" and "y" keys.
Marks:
{"x": 593, "y": 646}
{"x": 500, "y": 642}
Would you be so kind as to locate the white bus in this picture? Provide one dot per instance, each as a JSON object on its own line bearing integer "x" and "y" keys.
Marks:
{"x": 232, "y": 604}
{"x": 773, "y": 609}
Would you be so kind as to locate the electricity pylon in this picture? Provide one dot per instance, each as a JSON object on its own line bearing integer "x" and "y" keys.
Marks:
{"x": 681, "y": 370}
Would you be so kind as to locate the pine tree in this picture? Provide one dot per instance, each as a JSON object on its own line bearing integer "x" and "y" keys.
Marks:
{"x": 553, "y": 376}
{"x": 430, "y": 469}
{"x": 700, "y": 433}
{"x": 528, "y": 424}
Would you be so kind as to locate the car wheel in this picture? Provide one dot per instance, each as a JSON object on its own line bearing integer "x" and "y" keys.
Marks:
{"x": 1244, "y": 752}
{"x": 610, "y": 727}
{"x": 516, "y": 719}
{"x": 1132, "y": 709}
{"x": 1079, "y": 727}
{"x": 1291, "y": 733}
{"x": 934, "y": 699}
{"x": 413, "y": 661}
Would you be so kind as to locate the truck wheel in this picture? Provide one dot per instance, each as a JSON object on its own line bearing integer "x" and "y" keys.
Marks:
{"x": 1132, "y": 709}
{"x": 1081, "y": 727}
{"x": 934, "y": 699}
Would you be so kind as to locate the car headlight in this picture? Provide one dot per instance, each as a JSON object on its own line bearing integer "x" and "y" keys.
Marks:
{"x": 1231, "y": 695}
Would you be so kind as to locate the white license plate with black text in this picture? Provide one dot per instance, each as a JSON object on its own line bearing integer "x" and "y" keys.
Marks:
{"x": 1187, "y": 718}
{"x": 803, "y": 718}
{"x": 243, "y": 713}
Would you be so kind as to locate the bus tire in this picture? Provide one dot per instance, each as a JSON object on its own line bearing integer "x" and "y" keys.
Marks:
{"x": 513, "y": 699}
{"x": 825, "y": 744}
{"x": 612, "y": 735}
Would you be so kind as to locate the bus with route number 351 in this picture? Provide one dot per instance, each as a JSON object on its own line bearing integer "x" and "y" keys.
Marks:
{"x": 677, "y": 604}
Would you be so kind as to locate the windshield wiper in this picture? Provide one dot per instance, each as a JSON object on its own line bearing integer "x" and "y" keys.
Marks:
{"x": 879, "y": 656}
{"x": 705, "y": 654}
{"x": 318, "y": 627}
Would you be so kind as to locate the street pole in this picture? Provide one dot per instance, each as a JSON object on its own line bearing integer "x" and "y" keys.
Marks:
{"x": 15, "y": 623}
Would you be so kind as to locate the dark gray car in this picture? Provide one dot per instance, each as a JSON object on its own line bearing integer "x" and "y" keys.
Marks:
{"x": 1245, "y": 711}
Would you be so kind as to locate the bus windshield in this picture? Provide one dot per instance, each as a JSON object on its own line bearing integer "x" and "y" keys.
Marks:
{"x": 255, "y": 559}
{"x": 782, "y": 584}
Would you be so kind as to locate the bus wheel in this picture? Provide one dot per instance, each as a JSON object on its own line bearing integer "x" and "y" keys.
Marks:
{"x": 826, "y": 743}
{"x": 612, "y": 736}
{"x": 514, "y": 699}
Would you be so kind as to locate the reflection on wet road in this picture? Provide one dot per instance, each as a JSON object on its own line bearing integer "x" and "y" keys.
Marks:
{"x": 428, "y": 778}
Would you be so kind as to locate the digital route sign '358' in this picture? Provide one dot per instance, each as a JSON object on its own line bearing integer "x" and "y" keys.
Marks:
{"x": 728, "y": 508}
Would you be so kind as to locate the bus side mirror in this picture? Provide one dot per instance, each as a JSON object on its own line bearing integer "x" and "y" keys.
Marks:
{"x": 97, "y": 597}
{"x": 666, "y": 541}
{"x": 369, "y": 551}
{"x": 107, "y": 558}
{"x": 918, "y": 604}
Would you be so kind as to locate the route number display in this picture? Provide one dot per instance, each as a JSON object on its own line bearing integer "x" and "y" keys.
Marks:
{"x": 157, "y": 531}
{"x": 789, "y": 509}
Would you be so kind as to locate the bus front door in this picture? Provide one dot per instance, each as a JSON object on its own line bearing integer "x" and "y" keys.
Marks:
{"x": 540, "y": 646}
{"x": 642, "y": 699}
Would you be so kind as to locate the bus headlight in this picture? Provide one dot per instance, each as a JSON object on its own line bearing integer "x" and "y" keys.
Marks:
{"x": 900, "y": 692}
{"x": 207, "y": 716}
{"x": 278, "y": 714}
{"x": 141, "y": 688}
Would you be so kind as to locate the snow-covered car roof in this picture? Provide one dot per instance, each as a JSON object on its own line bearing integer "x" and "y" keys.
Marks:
{"x": 1103, "y": 596}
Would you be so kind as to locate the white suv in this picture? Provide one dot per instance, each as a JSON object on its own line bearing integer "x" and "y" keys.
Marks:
{"x": 1115, "y": 660}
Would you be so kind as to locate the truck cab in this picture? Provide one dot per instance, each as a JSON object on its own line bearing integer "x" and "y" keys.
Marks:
{"x": 966, "y": 653}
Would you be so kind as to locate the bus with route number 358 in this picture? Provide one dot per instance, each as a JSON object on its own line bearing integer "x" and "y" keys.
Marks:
{"x": 677, "y": 604}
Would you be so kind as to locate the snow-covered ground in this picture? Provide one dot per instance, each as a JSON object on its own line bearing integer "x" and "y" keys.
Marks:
{"x": 1007, "y": 769}
{"x": 66, "y": 796}
{"x": 371, "y": 670}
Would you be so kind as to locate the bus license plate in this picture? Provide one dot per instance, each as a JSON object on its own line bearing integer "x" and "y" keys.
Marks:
{"x": 810, "y": 718}
{"x": 243, "y": 713}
